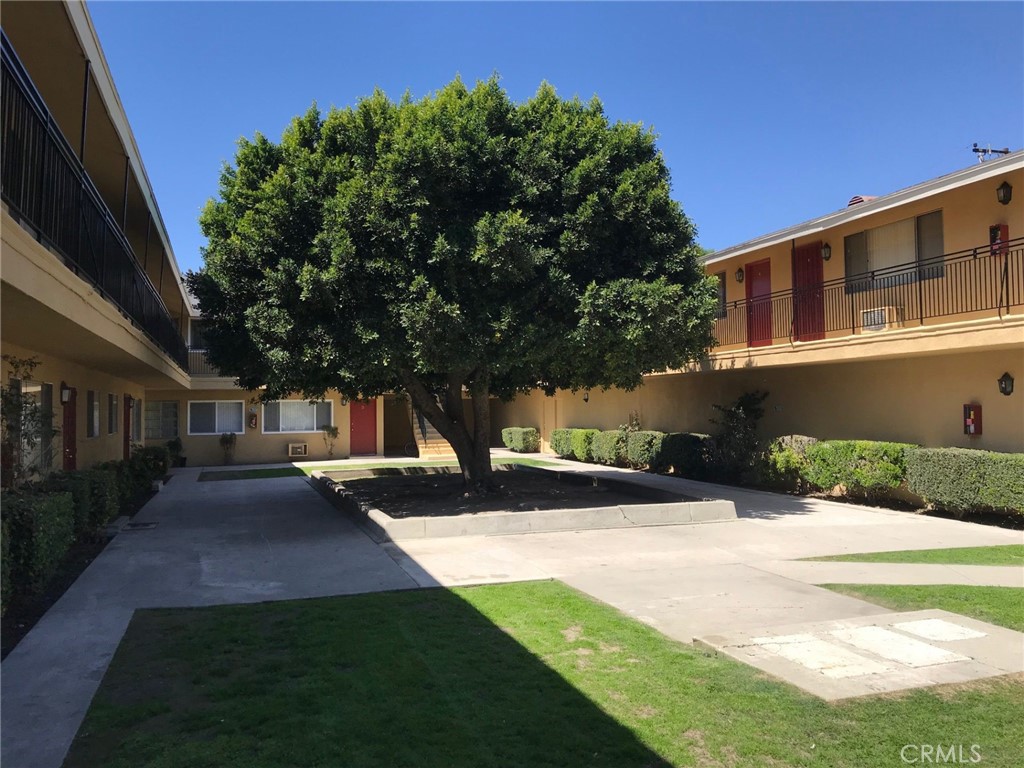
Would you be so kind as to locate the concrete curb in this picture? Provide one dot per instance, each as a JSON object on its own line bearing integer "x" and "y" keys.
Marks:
{"x": 382, "y": 527}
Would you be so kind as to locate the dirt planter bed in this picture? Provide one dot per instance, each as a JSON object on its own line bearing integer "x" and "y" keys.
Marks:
{"x": 576, "y": 501}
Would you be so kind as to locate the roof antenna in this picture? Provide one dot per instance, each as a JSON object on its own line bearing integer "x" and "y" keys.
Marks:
{"x": 984, "y": 153}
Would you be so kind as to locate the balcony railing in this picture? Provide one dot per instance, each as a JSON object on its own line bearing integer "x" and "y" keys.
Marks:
{"x": 199, "y": 364}
{"x": 982, "y": 281}
{"x": 45, "y": 185}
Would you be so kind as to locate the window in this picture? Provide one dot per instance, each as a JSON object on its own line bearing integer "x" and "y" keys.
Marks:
{"x": 111, "y": 414}
{"x": 34, "y": 425}
{"x": 296, "y": 416}
{"x": 137, "y": 420}
{"x": 722, "y": 310}
{"x": 197, "y": 340}
{"x": 916, "y": 244}
{"x": 92, "y": 414}
{"x": 161, "y": 419}
{"x": 215, "y": 417}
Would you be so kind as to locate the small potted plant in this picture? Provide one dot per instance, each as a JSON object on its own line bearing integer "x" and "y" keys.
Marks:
{"x": 227, "y": 444}
{"x": 330, "y": 435}
{"x": 175, "y": 447}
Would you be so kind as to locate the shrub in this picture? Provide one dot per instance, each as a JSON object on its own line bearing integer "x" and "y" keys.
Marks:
{"x": 155, "y": 460}
{"x": 41, "y": 528}
{"x": 962, "y": 480}
{"x": 643, "y": 448}
{"x": 685, "y": 453}
{"x": 582, "y": 443}
{"x": 861, "y": 466}
{"x": 5, "y": 568}
{"x": 129, "y": 479}
{"x": 784, "y": 463}
{"x": 561, "y": 442}
{"x": 521, "y": 439}
{"x": 79, "y": 485}
{"x": 736, "y": 448}
{"x": 105, "y": 504}
{"x": 609, "y": 447}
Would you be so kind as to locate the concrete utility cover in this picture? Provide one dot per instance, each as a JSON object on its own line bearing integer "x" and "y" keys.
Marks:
{"x": 877, "y": 654}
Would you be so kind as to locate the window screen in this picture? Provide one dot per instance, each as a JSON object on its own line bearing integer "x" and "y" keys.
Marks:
{"x": 295, "y": 416}
{"x": 161, "y": 419}
{"x": 215, "y": 418}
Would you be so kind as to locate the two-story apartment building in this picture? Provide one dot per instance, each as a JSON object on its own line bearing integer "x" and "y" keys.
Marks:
{"x": 893, "y": 318}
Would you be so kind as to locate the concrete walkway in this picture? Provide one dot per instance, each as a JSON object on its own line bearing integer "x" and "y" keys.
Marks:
{"x": 896, "y": 573}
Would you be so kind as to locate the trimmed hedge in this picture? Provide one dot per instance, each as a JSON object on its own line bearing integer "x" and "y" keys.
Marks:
{"x": 963, "y": 480}
{"x": 41, "y": 528}
{"x": 861, "y": 466}
{"x": 105, "y": 504}
{"x": 521, "y": 439}
{"x": 5, "y": 568}
{"x": 684, "y": 453}
{"x": 784, "y": 463}
{"x": 582, "y": 443}
{"x": 155, "y": 460}
{"x": 643, "y": 448}
{"x": 561, "y": 442}
{"x": 79, "y": 485}
{"x": 609, "y": 447}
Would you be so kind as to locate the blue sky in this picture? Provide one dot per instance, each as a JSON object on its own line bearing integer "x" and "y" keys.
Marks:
{"x": 768, "y": 113}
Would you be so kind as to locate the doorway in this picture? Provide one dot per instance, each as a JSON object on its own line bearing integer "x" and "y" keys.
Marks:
{"x": 808, "y": 295}
{"x": 759, "y": 303}
{"x": 363, "y": 427}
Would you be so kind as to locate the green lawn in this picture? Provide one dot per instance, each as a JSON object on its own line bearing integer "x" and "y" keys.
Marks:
{"x": 261, "y": 474}
{"x": 1007, "y": 554}
{"x": 997, "y": 605}
{"x": 531, "y": 674}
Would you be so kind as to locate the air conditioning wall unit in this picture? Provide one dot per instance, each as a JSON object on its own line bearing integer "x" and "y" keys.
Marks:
{"x": 297, "y": 450}
{"x": 881, "y": 318}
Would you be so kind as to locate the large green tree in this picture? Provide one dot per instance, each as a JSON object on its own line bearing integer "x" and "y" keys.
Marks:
{"x": 460, "y": 246}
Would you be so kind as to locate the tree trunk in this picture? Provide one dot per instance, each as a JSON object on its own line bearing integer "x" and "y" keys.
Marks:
{"x": 447, "y": 416}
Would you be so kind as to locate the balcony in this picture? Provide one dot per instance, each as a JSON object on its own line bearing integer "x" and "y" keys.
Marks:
{"x": 45, "y": 186}
{"x": 199, "y": 364}
{"x": 984, "y": 282}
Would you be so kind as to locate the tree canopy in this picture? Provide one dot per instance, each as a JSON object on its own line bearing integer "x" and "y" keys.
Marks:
{"x": 461, "y": 243}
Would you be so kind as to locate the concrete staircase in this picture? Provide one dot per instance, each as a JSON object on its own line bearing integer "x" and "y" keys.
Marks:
{"x": 429, "y": 441}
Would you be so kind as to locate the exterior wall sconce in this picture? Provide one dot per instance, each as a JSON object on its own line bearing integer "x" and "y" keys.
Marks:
{"x": 826, "y": 252}
{"x": 344, "y": 401}
{"x": 586, "y": 395}
{"x": 1004, "y": 193}
{"x": 1006, "y": 384}
{"x": 739, "y": 275}
{"x": 65, "y": 393}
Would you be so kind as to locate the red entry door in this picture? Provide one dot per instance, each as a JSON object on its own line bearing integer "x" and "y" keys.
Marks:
{"x": 69, "y": 431}
{"x": 808, "y": 298}
{"x": 126, "y": 425}
{"x": 363, "y": 421}
{"x": 759, "y": 303}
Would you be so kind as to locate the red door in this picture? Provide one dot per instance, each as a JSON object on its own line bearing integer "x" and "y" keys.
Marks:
{"x": 126, "y": 425}
{"x": 759, "y": 303}
{"x": 363, "y": 422}
{"x": 69, "y": 430}
{"x": 808, "y": 299}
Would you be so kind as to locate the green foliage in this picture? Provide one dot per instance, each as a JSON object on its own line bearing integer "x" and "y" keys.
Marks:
{"x": 643, "y": 449}
{"x": 175, "y": 447}
{"x": 963, "y": 480}
{"x": 521, "y": 439}
{"x": 609, "y": 447}
{"x": 686, "y": 454}
{"x": 330, "y": 434}
{"x": 582, "y": 442}
{"x": 105, "y": 500}
{"x": 784, "y": 463}
{"x": 736, "y": 446}
{"x": 23, "y": 424}
{"x": 79, "y": 485}
{"x": 5, "y": 568}
{"x": 155, "y": 460}
{"x": 461, "y": 242}
{"x": 561, "y": 442}
{"x": 227, "y": 444}
{"x": 41, "y": 527}
{"x": 862, "y": 466}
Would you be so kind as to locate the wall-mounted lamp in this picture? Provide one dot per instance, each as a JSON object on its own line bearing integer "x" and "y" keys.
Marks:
{"x": 1004, "y": 193}
{"x": 65, "y": 393}
{"x": 739, "y": 275}
{"x": 826, "y": 252}
{"x": 1006, "y": 384}
{"x": 344, "y": 401}
{"x": 586, "y": 396}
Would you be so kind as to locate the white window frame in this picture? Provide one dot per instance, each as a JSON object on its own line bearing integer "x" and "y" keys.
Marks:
{"x": 263, "y": 414}
{"x": 188, "y": 418}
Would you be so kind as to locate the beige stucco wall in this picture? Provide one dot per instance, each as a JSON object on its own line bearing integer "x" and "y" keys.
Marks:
{"x": 912, "y": 399}
{"x": 254, "y": 446}
{"x": 53, "y": 370}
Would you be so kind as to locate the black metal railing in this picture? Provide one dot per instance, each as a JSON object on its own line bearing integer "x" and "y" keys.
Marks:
{"x": 199, "y": 364}
{"x": 45, "y": 186}
{"x": 987, "y": 279}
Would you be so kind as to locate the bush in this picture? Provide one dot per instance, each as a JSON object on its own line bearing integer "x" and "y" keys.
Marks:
{"x": 685, "y": 453}
{"x": 132, "y": 479}
{"x": 861, "y": 466}
{"x": 105, "y": 504}
{"x": 521, "y": 439}
{"x": 784, "y": 463}
{"x": 736, "y": 448}
{"x": 582, "y": 442}
{"x": 79, "y": 485}
{"x": 609, "y": 447}
{"x": 561, "y": 442}
{"x": 962, "y": 480}
{"x": 5, "y": 568}
{"x": 643, "y": 448}
{"x": 155, "y": 460}
{"x": 41, "y": 527}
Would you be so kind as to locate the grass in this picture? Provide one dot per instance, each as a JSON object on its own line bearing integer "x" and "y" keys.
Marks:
{"x": 997, "y": 605}
{"x": 262, "y": 474}
{"x": 531, "y": 674}
{"x": 1008, "y": 554}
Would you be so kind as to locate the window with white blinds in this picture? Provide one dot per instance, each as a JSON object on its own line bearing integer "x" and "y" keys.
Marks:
{"x": 907, "y": 242}
{"x": 296, "y": 416}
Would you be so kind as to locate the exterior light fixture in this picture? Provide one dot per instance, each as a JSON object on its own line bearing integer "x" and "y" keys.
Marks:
{"x": 1004, "y": 193}
{"x": 586, "y": 395}
{"x": 826, "y": 252}
{"x": 1006, "y": 384}
{"x": 739, "y": 275}
{"x": 65, "y": 393}
{"x": 344, "y": 401}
